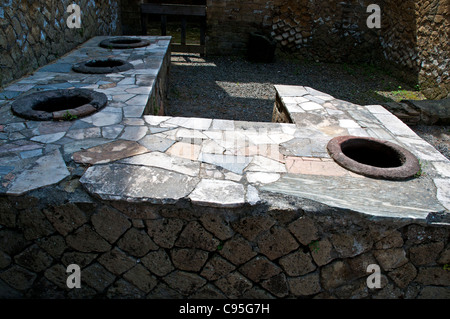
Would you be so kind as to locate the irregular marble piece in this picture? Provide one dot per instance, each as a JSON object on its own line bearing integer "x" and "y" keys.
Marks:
{"x": 219, "y": 193}
{"x": 137, "y": 183}
{"x": 235, "y": 164}
{"x": 48, "y": 170}
{"x": 109, "y": 152}
{"x": 156, "y": 143}
{"x": 161, "y": 160}
{"x": 406, "y": 199}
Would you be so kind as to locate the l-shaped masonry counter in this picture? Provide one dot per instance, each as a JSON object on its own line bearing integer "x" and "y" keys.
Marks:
{"x": 162, "y": 207}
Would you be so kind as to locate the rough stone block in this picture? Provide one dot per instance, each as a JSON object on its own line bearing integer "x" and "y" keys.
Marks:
{"x": 184, "y": 282}
{"x": 124, "y": 290}
{"x": 86, "y": 240}
{"x": 390, "y": 259}
{"x": 53, "y": 245}
{"x": 402, "y": 276}
{"x": 7, "y": 214}
{"x": 143, "y": 211}
{"x": 97, "y": 277}
{"x": 217, "y": 225}
{"x": 336, "y": 274}
{"x": 360, "y": 263}
{"x": 165, "y": 231}
{"x": 435, "y": 293}
{"x": 5, "y": 260}
{"x": 110, "y": 224}
{"x": 34, "y": 224}
{"x": 195, "y": 236}
{"x": 237, "y": 250}
{"x": 259, "y": 268}
{"x": 297, "y": 263}
{"x": 393, "y": 240}
{"x": 12, "y": 242}
{"x": 306, "y": 285}
{"x": 57, "y": 274}
{"x": 80, "y": 259}
{"x": 425, "y": 255}
{"x": 116, "y": 261}
{"x": 136, "y": 242}
{"x": 189, "y": 259}
{"x": 250, "y": 227}
{"x": 141, "y": 278}
{"x": 435, "y": 276}
{"x": 304, "y": 230}
{"x": 216, "y": 268}
{"x": 66, "y": 218}
{"x": 34, "y": 259}
{"x": 355, "y": 289}
{"x": 233, "y": 285}
{"x": 158, "y": 262}
{"x": 322, "y": 252}
{"x": 349, "y": 245}
{"x": 208, "y": 292}
{"x": 276, "y": 242}
{"x": 277, "y": 285}
{"x": 18, "y": 277}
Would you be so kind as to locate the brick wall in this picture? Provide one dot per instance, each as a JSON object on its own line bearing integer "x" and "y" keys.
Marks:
{"x": 34, "y": 33}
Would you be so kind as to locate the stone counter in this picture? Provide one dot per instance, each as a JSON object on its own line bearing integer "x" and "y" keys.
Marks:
{"x": 164, "y": 207}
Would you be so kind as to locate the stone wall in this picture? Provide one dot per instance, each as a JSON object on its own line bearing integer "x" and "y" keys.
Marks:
{"x": 276, "y": 251}
{"x": 334, "y": 32}
{"x": 34, "y": 33}
{"x": 157, "y": 104}
{"x": 433, "y": 41}
{"x": 413, "y": 37}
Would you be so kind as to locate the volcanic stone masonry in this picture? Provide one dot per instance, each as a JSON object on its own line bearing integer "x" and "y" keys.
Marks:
{"x": 34, "y": 33}
{"x": 413, "y": 38}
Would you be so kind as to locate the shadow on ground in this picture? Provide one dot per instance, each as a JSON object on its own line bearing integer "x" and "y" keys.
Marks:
{"x": 233, "y": 88}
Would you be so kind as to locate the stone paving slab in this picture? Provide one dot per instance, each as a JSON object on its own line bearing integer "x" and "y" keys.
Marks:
{"x": 412, "y": 199}
{"x": 137, "y": 183}
{"x": 48, "y": 170}
{"x": 218, "y": 163}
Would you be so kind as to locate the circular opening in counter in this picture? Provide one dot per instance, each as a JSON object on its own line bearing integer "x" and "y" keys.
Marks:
{"x": 124, "y": 43}
{"x": 104, "y": 66}
{"x": 68, "y": 104}
{"x": 373, "y": 158}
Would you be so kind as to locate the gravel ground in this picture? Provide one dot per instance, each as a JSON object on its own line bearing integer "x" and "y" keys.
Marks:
{"x": 233, "y": 88}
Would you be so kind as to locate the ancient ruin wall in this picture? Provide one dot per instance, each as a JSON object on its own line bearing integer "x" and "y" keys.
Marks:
{"x": 433, "y": 40}
{"x": 149, "y": 251}
{"x": 413, "y": 37}
{"x": 34, "y": 33}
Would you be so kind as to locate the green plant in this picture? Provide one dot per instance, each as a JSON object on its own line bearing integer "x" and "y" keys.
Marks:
{"x": 421, "y": 171}
{"x": 69, "y": 117}
{"x": 314, "y": 246}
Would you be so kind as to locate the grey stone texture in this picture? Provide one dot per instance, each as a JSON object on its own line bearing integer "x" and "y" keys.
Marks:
{"x": 31, "y": 38}
{"x": 338, "y": 32}
{"x": 293, "y": 253}
{"x": 260, "y": 221}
